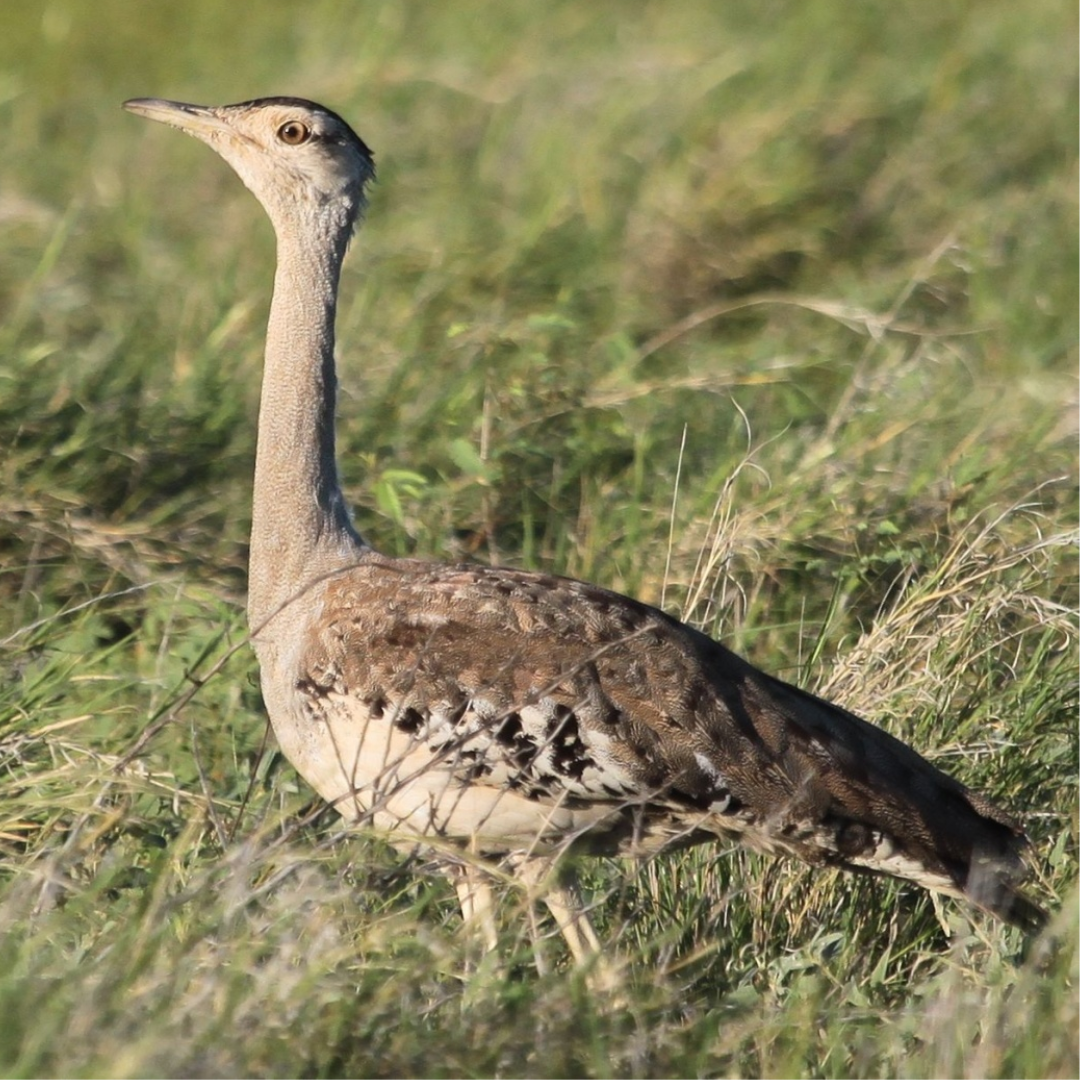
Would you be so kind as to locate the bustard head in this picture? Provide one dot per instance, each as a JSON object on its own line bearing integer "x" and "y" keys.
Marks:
{"x": 300, "y": 160}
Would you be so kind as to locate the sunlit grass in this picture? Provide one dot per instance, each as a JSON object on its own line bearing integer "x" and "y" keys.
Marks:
{"x": 765, "y": 312}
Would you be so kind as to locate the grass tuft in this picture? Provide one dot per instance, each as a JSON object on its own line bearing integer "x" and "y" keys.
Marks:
{"x": 764, "y": 312}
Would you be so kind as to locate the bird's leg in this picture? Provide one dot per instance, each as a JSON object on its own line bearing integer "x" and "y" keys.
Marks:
{"x": 477, "y": 901}
{"x": 536, "y": 934}
{"x": 556, "y": 884}
{"x": 564, "y": 903}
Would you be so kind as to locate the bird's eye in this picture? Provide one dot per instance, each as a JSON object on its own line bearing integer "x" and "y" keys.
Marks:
{"x": 294, "y": 133}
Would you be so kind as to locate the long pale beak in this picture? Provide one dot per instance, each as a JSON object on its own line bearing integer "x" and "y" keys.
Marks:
{"x": 197, "y": 120}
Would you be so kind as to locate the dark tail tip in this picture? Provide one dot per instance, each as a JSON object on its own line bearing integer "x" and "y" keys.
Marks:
{"x": 1022, "y": 912}
{"x": 994, "y": 889}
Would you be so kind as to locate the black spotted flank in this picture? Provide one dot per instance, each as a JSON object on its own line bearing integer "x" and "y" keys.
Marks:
{"x": 376, "y": 706}
{"x": 569, "y": 756}
{"x": 509, "y": 731}
{"x": 311, "y": 687}
{"x": 568, "y": 751}
{"x": 471, "y": 765}
{"x": 409, "y": 720}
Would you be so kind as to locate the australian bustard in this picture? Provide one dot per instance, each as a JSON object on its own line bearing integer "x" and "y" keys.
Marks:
{"x": 516, "y": 714}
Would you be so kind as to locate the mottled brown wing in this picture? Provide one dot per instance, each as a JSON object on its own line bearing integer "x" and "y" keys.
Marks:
{"x": 564, "y": 690}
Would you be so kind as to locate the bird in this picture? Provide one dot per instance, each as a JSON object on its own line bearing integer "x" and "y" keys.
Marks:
{"x": 519, "y": 718}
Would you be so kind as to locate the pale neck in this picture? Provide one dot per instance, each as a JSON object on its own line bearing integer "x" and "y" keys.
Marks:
{"x": 300, "y": 525}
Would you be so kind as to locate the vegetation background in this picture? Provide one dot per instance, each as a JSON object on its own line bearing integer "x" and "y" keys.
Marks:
{"x": 764, "y": 311}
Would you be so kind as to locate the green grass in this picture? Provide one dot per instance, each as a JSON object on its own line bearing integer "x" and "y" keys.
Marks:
{"x": 766, "y": 312}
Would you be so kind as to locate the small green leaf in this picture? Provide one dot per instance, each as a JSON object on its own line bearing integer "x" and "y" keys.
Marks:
{"x": 467, "y": 458}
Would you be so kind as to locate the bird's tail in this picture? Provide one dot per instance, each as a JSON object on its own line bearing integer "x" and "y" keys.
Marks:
{"x": 879, "y": 807}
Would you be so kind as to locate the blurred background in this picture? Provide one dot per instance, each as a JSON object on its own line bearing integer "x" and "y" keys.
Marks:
{"x": 765, "y": 311}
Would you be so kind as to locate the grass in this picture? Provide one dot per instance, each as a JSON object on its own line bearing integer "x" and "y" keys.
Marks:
{"x": 764, "y": 311}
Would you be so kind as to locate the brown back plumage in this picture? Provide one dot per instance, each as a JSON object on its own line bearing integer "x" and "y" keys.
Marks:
{"x": 567, "y": 693}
